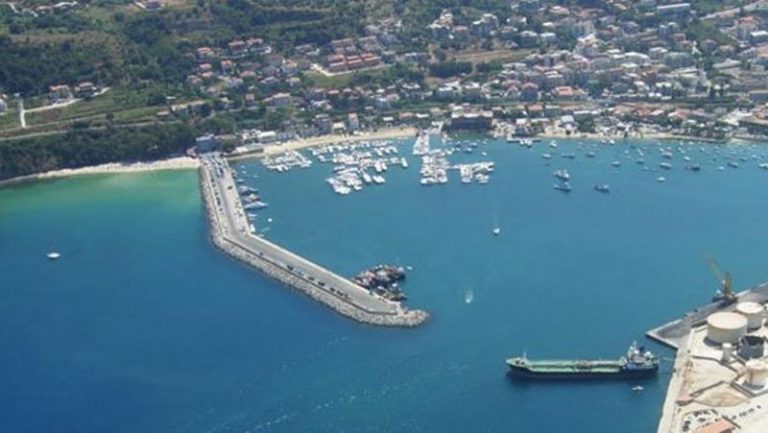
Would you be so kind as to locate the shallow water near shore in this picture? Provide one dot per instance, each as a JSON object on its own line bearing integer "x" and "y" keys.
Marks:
{"x": 143, "y": 326}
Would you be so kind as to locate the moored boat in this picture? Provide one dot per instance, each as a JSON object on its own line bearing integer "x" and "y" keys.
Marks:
{"x": 637, "y": 363}
{"x": 562, "y": 175}
{"x": 564, "y": 187}
{"x": 604, "y": 188}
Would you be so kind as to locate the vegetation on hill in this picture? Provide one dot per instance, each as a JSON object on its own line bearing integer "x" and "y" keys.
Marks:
{"x": 79, "y": 148}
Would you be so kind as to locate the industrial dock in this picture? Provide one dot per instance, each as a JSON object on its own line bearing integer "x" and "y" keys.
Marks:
{"x": 230, "y": 232}
{"x": 720, "y": 378}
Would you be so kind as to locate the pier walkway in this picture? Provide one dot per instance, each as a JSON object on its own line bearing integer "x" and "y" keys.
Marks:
{"x": 230, "y": 231}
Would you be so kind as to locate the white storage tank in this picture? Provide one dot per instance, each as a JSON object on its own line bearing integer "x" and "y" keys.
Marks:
{"x": 754, "y": 313}
{"x": 726, "y": 327}
{"x": 757, "y": 373}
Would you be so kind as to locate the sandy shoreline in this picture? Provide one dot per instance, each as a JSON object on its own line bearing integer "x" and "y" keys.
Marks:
{"x": 381, "y": 134}
{"x": 178, "y": 163}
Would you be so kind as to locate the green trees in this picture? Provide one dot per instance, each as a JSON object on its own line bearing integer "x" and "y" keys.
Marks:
{"x": 30, "y": 69}
{"x": 83, "y": 147}
{"x": 450, "y": 69}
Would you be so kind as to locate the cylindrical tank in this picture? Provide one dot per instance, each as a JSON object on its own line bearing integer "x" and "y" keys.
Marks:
{"x": 726, "y": 327}
{"x": 727, "y": 353}
{"x": 754, "y": 313}
{"x": 757, "y": 373}
{"x": 751, "y": 347}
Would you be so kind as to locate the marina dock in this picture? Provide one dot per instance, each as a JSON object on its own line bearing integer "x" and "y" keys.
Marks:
{"x": 230, "y": 232}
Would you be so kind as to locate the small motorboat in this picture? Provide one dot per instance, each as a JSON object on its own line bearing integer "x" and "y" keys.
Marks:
{"x": 564, "y": 187}
{"x": 562, "y": 175}
{"x": 53, "y": 255}
{"x": 604, "y": 188}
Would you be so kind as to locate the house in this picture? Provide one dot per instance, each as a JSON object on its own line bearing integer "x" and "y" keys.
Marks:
{"x": 353, "y": 123}
{"x": 192, "y": 107}
{"x": 382, "y": 103}
{"x": 522, "y": 127}
{"x": 563, "y": 93}
{"x": 445, "y": 92}
{"x": 237, "y": 48}
{"x": 194, "y": 81}
{"x": 58, "y": 93}
{"x": 205, "y": 53}
{"x": 250, "y": 100}
{"x": 206, "y": 143}
{"x": 568, "y": 122}
{"x": 258, "y": 46}
{"x": 479, "y": 120}
{"x": 418, "y": 57}
{"x": 85, "y": 89}
{"x": 529, "y": 92}
{"x": 758, "y": 36}
{"x": 548, "y": 38}
{"x": 227, "y": 67}
{"x": 337, "y": 67}
{"x": 152, "y": 5}
{"x": 324, "y": 123}
{"x": 674, "y": 9}
{"x": 461, "y": 33}
{"x": 280, "y": 100}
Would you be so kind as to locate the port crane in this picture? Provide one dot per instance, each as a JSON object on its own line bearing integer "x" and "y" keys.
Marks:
{"x": 725, "y": 293}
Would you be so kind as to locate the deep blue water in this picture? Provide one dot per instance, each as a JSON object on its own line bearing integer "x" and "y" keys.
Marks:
{"x": 143, "y": 327}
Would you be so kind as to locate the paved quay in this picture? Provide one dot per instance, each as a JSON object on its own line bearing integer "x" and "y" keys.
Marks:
{"x": 230, "y": 231}
{"x": 675, "y": 332}
{"x": 708, "y": 390}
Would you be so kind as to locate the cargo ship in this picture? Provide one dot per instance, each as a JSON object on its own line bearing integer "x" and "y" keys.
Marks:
{"x": 637, "y": 363}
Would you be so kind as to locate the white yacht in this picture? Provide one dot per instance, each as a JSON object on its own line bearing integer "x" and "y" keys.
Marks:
{"x": 562, "y": 174}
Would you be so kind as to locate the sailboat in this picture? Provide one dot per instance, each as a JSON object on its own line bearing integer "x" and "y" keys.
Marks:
{"x": 496, "y": 229}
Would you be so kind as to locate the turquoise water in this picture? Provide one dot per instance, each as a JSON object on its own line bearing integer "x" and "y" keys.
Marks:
{"x": 143, "y": 326}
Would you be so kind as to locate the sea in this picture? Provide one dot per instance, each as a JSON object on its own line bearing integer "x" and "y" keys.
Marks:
{"x": 143, "y": 326}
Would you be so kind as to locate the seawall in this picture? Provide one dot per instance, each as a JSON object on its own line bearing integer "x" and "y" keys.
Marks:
{"x": 239, "y": 245}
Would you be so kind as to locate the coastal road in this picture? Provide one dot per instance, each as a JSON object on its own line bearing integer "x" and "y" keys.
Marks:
{"x": 236, "y": 227}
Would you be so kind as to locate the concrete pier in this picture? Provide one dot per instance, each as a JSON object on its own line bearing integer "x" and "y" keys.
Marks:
{"x": 230, "y": 232}
{"x": 673, "y": 333}
{"x": 706, "y": 392}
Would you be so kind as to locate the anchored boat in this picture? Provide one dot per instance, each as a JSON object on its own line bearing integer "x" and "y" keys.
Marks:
{"x": 637, "y": 363}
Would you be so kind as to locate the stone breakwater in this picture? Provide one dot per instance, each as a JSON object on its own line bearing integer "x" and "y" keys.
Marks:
{"x": 402, "y": 318}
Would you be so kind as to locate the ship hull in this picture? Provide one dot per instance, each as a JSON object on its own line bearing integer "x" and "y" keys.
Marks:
{"x": 619, "y": 374}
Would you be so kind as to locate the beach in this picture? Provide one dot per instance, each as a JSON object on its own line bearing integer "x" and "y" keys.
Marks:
{"x": 177, "y": 163}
